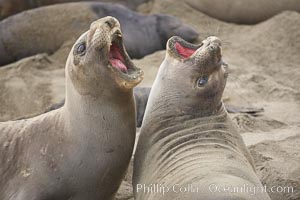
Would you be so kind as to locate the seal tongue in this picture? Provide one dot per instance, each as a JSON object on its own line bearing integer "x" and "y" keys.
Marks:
{"x": 116, "y": 58}
{"x": 184, "y": 51}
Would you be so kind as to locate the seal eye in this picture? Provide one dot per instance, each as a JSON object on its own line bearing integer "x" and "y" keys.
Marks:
{"x": 81, "y": 49}
{"x": 202, "y": 81}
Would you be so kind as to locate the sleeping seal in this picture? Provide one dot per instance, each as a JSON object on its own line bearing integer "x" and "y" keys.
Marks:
{"x": 10, "y": 7}
{"x": 244, "y": 11}
{"x": 82, "y": 150}
{"x": 188, "y": 147}
{"x": 46, "y": 29}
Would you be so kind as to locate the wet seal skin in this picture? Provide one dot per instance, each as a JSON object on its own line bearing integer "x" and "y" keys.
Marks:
{"x": 81, "y": 150}
{"x": 47, "y": 29}
{"x": 187, "y": 139}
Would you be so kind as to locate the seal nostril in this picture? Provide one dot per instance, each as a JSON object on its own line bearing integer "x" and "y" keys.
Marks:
{"x": 111, "y": 23}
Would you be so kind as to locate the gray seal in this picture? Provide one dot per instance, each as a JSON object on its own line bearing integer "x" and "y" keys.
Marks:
{"x": 11, "y": 7}
{"x": 188, "y": 146}
{"x": 82, "y": 150}
{"x": 46, "y": 29}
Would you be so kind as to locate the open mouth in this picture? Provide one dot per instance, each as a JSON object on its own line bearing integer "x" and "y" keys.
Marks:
{"x": 185, "y": 50}
{"x": 181, "y": 48}
{"x": 116, "y": 58}
{"x": 119, "y": 59}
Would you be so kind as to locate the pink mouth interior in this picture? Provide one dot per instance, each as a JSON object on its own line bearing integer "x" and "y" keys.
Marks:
{"x": 116, "y": 59}
{"x": 184, "y": 51}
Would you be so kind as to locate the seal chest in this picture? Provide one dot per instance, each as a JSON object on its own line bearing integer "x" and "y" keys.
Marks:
{"x": 188, "y": 146}
{"x": 82, "y": 150}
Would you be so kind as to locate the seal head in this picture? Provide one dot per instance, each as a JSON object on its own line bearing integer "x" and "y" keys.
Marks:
{"x": 200, "y": 75}
{"x": 99, "y": 56}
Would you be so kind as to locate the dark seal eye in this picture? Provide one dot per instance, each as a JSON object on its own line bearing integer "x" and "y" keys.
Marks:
{"x": 81, "y": 48}
{"x": 202, "y": 81}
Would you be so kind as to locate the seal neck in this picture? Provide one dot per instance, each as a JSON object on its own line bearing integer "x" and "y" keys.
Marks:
{"x": 167, "y": 118}
{"x": 86, "y": 111}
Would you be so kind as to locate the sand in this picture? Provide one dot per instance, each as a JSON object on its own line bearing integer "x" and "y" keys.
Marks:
{"x": 264, "y": 72}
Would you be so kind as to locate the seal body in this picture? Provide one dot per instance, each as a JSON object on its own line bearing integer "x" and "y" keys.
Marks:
{"x": 46, "y": 29}
{"x": 82, "y": 150}
{"x": 244, "y": 11}
{"x": 10, "y": 7}
{"x": 141, "y": 95}
{"x": 188, "y": 147}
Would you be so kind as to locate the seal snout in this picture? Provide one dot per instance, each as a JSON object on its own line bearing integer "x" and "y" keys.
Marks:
{"x": 117, "y": 55}
{"x": 214, "y": 46}
{"x": 109, "y": 21}
{"x": 212, "y": 40}
{"x": 112, "y": 22}
{"x": 118, "y": 59}
{"x": 102, "y": 27}
{"x": 210, "y": 52}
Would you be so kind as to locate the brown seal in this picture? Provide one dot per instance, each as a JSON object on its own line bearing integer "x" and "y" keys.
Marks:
{"x": 188, "y": 147}
{"x": 244, "y": 11}
{"x": 140, "y": 94}
{"x": 82, "y": 150}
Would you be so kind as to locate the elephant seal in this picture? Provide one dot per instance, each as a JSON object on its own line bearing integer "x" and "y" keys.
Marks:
{"x": 188, "y": 147}
{"x": 140, "y": 94}
{"x": 244, "y": 11}
{"x": 46, "y": 29}
{"x": 11, "y": 7}
{"x": 82, "y": 150}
